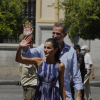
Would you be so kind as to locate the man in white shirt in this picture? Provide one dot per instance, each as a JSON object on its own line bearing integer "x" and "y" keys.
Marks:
{"x": 89, "y": 67}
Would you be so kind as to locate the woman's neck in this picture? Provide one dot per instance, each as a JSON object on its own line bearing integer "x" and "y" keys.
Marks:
{"x": 50, "y": 60}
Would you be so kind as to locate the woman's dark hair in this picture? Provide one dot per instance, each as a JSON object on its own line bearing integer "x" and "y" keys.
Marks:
{"x": 55, "y": 45}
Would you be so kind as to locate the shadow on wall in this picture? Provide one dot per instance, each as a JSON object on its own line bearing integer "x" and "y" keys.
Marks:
{"x": 75, "y": 40}
{"x": 80, "y": 42}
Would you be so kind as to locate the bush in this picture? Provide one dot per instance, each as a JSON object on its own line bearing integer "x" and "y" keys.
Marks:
{"x": 11, "y": 17}
{"x": 82, "y": 17}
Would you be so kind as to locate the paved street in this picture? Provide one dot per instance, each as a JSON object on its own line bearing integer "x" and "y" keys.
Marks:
{"x": 14, "y": 92}
{"x": 95, "y": 93}
{"x": 11, "y": 92}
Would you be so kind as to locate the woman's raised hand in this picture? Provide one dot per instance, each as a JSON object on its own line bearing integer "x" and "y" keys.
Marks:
{"x": 27, "y": 29}
{"x": 25, "y": 42}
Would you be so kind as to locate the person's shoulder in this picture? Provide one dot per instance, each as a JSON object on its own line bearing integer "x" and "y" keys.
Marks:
{"x": 61, "y": 65}
{"x": 87, "y": 54}
{"x": 40, "y": 47}
{"x": 42, "y": 44}
{"x": 81, "y": 55}
{"x": 69, "y": 47}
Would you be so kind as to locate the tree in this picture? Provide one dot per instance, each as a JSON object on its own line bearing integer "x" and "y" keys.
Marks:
{"x": 82, "y": 18}
{"x": 11, "y": 17}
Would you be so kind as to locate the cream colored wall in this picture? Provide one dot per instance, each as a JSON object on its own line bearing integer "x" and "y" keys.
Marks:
{"x": 61, "y": 14}
{"x": 46, "y": 14}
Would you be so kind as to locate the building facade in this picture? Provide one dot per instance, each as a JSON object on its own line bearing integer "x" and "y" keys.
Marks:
{"x": 44, "y": 21}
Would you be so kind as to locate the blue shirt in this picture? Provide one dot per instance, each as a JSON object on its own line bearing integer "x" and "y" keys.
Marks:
{"x": 69, "y": 58}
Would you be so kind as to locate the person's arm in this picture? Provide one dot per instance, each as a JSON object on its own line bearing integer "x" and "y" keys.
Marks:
{"x": 23, "y": 60}
{"x": 25, "y": 49}
{"x": 79, "y": 64}
{"x": 30, "y": 53}
{"x": 91, "y": 66}
{"x": 20, "y": 59}
{"x": 27, "y": 31}
{"x": 79, "y": 95}
{"x": 76, "y": 76}
{"x": 34, "y": 52}
{"x": 92, "y": 71}
{"x": 61, "y": 81}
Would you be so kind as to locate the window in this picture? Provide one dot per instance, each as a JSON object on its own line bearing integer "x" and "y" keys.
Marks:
{"x": 30, "y": 14}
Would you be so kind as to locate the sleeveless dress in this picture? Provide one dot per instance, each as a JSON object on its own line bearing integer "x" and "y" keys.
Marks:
{"x": 47, "y": 77}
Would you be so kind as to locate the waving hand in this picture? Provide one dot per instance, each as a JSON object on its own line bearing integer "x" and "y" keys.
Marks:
{"x": 27, "y": 29}
{"x": 25, "y": 42}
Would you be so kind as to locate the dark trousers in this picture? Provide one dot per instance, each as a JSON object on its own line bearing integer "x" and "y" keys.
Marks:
{"x": 73, "y": 91}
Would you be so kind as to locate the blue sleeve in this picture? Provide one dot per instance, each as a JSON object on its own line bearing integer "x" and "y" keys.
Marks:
{"x": 34, "y": 52}
{"x": 75, "y": 72}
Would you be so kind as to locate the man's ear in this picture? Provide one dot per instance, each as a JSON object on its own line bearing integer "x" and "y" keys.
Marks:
{"x": 65, "y": 34}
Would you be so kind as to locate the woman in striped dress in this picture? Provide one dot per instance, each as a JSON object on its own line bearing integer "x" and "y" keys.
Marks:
{"x": 50, "y": 70}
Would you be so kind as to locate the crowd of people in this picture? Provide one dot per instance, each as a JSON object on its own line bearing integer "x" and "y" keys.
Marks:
{"x": 46, "y": 69}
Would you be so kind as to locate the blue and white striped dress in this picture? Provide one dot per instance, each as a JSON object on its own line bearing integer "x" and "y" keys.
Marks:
{"x": 47, "y": 77}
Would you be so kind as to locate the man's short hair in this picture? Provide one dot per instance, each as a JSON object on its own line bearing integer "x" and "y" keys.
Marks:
{"x": 77, "y": 47}
{"x": 60, "y": 24}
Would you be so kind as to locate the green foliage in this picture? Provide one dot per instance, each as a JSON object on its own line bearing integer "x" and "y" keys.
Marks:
{"x": 11, "y": 17}
{"x": 82, "y": 18}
